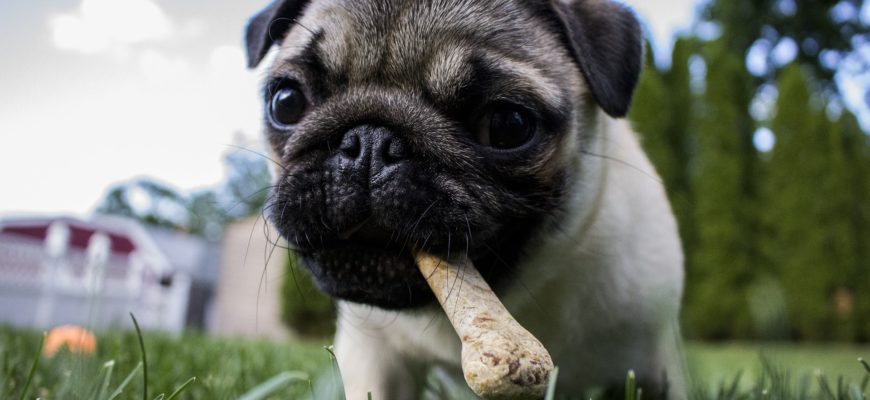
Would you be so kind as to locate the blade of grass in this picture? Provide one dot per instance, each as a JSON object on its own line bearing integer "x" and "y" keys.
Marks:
{"x": 841, "y": 388}
{"x": 823, "y": 383}
{"x": 144, "y": 358}
{"x": 311, "y": 389}
{"x": 630, "y": 386}
{"x": 732, "y": 390}
{"x": 181, "y": 388}
{"x": 273, "y": 384}
{"x": 109, "y": 367}
{"x": 336, "y": 372}
{"x": 865, "y": 364}
{"x": 33, "y": 367}
{"x": 855, "y": 392}
{"x": 804, "y": 388}
{"x": 125, "y": 382}
{"x": 551, "y": 384}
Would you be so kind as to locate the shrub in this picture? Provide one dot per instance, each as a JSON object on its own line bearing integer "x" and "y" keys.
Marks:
{"x": 304, "y": 308}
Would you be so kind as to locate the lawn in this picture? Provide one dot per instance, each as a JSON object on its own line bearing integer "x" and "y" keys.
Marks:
{"x": 229, "y": 369}
{"x": 224, "y": 369}
{"x": 714, "y": 363}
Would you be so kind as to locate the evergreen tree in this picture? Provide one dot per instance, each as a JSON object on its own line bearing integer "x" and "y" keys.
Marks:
{"x": 723, "y": 189}
{"x": 681, "y": 139}
{"x": 662, "y": 115}
{"x": 787, "y": 230}
{"x": 839, "y": 244}
{"x": 856, "y": 148}
{"x": 808, "y": 199}
{"x": 650, "y": 115}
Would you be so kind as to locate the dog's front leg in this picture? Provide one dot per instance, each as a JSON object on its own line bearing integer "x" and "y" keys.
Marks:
{"x": 368, "y": 363}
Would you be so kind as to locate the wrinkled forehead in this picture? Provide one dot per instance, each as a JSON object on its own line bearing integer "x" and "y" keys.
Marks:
{"x": 398, "y": 38}
{"x": 434, "y": 46}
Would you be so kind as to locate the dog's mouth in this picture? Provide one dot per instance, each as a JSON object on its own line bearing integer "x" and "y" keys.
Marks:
{"x": 370, "y": 264}
{"x": 366, "y": 232}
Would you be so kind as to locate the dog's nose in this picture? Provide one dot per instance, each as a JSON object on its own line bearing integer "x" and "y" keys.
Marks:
{"x": 377, "y": 148}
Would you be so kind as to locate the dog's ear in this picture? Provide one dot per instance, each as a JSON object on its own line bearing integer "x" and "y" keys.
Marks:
{"x": 606, "y": 40}
{"x": 269, "y": 26}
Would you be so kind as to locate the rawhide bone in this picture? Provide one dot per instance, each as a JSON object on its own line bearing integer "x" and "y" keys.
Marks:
{"x": 500, "y": 358}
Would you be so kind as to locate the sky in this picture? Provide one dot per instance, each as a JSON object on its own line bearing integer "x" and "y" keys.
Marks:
{"x": 99, "y": 92}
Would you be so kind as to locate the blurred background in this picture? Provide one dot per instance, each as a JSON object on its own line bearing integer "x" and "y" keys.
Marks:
{"x": 132, "y": 171}
{"x": 754, "y": 121}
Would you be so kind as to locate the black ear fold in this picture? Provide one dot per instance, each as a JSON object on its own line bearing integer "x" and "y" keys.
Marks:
{"x": 607, "y": 42}
{"x": 269, "y": 27}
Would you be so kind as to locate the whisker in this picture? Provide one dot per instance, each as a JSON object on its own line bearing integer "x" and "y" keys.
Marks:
{"x": 453, "y": 285}
{"x": 244, "y": 263}
{"x": 265, "y": 157}
{"x": 627, "y": 164}
{"x": 416, "y": 224}
{"x": 463, "y": 267}
{"x": 245, "y": 199}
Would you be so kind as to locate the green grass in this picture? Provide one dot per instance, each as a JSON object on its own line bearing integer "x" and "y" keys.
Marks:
{"x": 711, "y": 364}
{"x": 193, "y": 366}
{"x": 222, "y": 368}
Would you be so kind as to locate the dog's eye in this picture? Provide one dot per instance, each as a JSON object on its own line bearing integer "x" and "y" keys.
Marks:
{"x": 287, "y": 106}
{"x": 506, "y": 127}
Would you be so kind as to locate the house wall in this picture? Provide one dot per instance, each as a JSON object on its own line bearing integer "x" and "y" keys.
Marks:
{"x": 38, "y": 291}
{"x": 248, "y": 290}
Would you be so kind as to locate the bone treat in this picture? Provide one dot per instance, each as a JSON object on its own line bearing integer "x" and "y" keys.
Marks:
{"x": 500, "y": 358}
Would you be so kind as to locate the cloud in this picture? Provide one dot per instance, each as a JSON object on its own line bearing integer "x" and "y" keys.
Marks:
{"x": 102, "y": 25}
{"x": 227, "y": 61}
{"x": 159, "y": 68}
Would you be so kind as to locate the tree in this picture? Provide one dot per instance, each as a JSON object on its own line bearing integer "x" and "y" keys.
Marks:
{"x": 723, "y": 189}
{"x": 817, "y": 26}
{"x": 663, "y": 114}
{"x": 207, "y": 214}
{"x": 149, "y": 201}
{"x": 808, "y": 202}
{"x": 651, "y": 116}
{"x": 776, "y": 239}
{"x": 856, "y": 148}
{"x": 304, "y": 308}
{"x": 248, "y": 184}
{"x": 204, "y": 213}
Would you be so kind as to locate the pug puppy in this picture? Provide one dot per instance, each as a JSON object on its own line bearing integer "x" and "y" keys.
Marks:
{"x": 485, "y": 128}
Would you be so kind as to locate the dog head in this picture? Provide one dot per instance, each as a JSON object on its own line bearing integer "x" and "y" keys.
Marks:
{"x": 449, "y": 126}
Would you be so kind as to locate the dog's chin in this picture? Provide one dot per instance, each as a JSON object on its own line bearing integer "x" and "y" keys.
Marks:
{"x": 381, "y": 276}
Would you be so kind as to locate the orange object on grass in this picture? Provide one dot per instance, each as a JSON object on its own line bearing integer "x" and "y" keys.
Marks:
{"x": 75, "y": 338}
